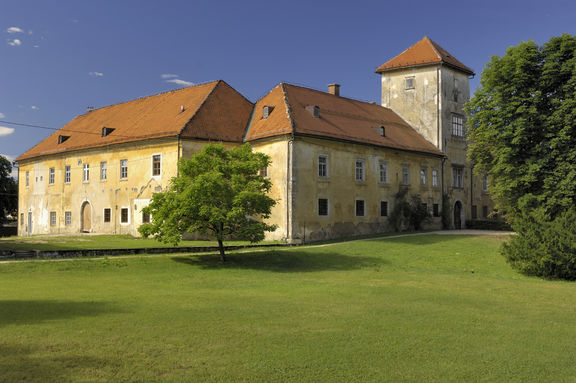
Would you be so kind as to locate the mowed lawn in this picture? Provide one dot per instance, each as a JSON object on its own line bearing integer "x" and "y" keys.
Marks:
{"x": 426, "y": 308}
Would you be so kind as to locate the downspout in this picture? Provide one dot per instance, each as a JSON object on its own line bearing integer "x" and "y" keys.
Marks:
{"x": 178, "y": 157}
{"x": 471, "y": 188}
{"x": 289, "y": 197}
{"x": 438, "y": 109}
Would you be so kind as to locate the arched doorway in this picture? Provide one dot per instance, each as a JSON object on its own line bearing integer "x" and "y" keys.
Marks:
{"x": 86, "y": 217}
{"x": 458, "y": 215}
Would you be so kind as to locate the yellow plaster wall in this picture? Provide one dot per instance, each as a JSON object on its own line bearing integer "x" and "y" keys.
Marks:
{"x": 40, "y": 198}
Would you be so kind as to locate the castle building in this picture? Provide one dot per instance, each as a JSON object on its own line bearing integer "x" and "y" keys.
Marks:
{"x": 337, "y": 163}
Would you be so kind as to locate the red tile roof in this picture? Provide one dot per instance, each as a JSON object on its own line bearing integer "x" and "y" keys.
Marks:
{"x": 424, "y": 52}
{"x": 210, "y": 111}
{"x": 339, "y": 118}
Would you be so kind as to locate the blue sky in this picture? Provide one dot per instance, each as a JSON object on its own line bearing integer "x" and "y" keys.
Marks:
{"x": 59, "y": 57}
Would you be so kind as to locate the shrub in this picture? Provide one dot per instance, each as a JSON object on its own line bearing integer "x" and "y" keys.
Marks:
{"x": 408, "y": 215}
{"x": 544, "y": 247}
{"x": 446, "y": 211}
{"x": 488, "y": 224}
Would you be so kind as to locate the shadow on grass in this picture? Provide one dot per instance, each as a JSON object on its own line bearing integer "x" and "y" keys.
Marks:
{"x": 15, "y": 312}
{"x": 27, "y": 364}
{"x": 425, "y": 239}
{"x": 283, "y": 261}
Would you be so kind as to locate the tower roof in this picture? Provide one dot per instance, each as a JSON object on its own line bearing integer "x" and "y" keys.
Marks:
{"x": 424, "y": 52}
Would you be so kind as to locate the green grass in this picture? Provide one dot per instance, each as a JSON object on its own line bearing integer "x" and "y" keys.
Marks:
{"x": 95, "y": 242}
{"x": 429, "y": 308}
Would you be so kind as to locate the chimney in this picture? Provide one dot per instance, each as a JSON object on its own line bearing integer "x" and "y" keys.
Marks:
{"x": 334, "y": 89}
{"x": 89, "y": 109}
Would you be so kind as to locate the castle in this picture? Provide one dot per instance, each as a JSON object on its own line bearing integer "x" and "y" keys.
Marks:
{"x": 337, "y": 163}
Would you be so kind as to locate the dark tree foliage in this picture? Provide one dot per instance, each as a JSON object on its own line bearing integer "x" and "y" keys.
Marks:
{"x": 8, "y": 189}
{"x": 522, "y": 132}
{"x": 408, "y": 215}
{"x": 218, "y": 192}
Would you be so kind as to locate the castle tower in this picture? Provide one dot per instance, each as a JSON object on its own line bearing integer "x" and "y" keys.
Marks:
{"x": 428, "y": 88}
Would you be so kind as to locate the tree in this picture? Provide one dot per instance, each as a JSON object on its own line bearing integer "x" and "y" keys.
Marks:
{"x": 218, "y": 192}
{"x": 8, "y": 189}
{"x": 522, "y": 133}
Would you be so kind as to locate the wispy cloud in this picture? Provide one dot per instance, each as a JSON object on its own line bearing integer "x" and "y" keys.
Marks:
{"x": 14, "y": 30}
{"x": 168, "y": 75}
{"x": 4, "y": 131}
{"x": 96, "y": 74}
{"x": 2, "y": 115}
{"x": 180, "y": 82}
{"x": 14, "y": 43}
{"x": 34, "y": 107}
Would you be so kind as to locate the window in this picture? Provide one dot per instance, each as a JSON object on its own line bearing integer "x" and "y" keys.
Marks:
{"x": 264, "y": 171}
{"x": 360, "y": 208}
{"x": 359, "y": 170}
{"x": 485, "y": 183}
{"x": 457, "y": 177}
{"x": 323, "y": 206}
{"x": 52, "y": 218}
{"x": 383, "y": 208}
{"x": 435, "y": 210}
{"x": 457, "y": 125}
{"x": 434, "y": 177}
{"x": 68, "y": 218}
{"x": 27, "y": 178}
{"x": 156, "y": 165}
{"x": 145, "y": 217}
{"x": 51, "y": 175}
{"x": 323, "y": 166}
{"x": 86, "y": 173}
{"x": 405, "y": 175}
{"x": 123, "y": 169}
{"x": 21, "y": 219}
{"x": 474, "y": 212}
{"x": 455, "y": 90}
{"x": 266, "y": 110}
{"x": 124, "y": 215}
{"x": 67, "y": 174}
{"x": 484, "y": 211}
{"x": 103, "y": 171}
{"x": 409, "y": 82}
{"x": 107, "y": 214}
{"x": 383, "y": 172}
{"x": 423, "y": 176}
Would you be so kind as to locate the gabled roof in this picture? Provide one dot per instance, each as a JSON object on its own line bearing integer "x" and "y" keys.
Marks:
{"x": 338, "y": 118}
{"x": 424, "y": 52}
{"x": 213, "y": 111}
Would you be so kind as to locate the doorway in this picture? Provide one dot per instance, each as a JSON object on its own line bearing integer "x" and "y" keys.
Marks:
{"x": 458, "y": 215}
{"x": 86, "y": 217}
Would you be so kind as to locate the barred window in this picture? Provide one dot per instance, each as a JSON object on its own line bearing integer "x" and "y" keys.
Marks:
{"x": 360, "y": 208}
{"x": 383, "y": 208}
{"x": 322, "y": 206}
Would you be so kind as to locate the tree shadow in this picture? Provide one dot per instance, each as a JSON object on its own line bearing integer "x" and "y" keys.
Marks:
{"x": 283, "y": 261}
{"x": 20, "y": 363}
{"x": 35, "y": 311}
{"x": 426, "y": 239}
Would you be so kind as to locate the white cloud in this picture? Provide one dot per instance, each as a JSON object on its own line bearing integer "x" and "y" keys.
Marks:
{"x": 36, "y": 46}
{"x": 180, "y": 82}
{"x": 34, "y": 107}
{"x": 168, "y": 75}
{"x": 4, "y": 131}
{"x": 14, "y": 30}
{"x": 2, "y": 115}
{"x": 14, "y": 43}
{"x": 96, "y": 74}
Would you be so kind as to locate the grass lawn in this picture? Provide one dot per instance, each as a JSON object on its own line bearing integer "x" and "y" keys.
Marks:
{"x": 95, "y": 242}
{"x": 428, "y": 308}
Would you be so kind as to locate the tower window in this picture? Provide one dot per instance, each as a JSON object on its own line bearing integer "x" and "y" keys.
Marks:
{"x": 457, "y": 125}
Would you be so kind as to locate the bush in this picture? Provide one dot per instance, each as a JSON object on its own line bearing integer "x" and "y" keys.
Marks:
{"x": 543, "y": 247}
{"x": 488, "y": 224}
{"x": 408, "y": 215}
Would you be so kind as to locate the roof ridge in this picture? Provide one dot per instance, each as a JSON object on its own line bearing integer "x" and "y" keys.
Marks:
{"x": 328, "y": 94}
{"x": 288, "y": 108}
{"x": 433, "y": 44}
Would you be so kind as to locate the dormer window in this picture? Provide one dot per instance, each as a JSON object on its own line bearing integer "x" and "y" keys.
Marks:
{"x": 315, "y": 110}
{"x": 62, "y": 138}
{"x": 266, "y": 111}
{"x": 382, "y": 131}
{"x": 106, "y": 131}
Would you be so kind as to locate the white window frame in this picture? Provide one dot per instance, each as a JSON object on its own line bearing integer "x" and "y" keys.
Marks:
{"x": 103, "y": 170}
{"x": 435, "y": 178}
{"x": 67, "y": 218}
{"x": 27, "y": 178}
{"x": 323, "y": 166}
{"x": 159, "y": 155}
{"x": 356, "y": 208}
{"x": 457, "y": 177}
{"x": 51, "y": 176}
{"x": 104, "y": 215}
{"x": 383, "y": 172}
{"x": 405, "y": 174}
{"x": 458, "y": 126}
{"x": 67, "y": 174}
{"x": 128, "y": 215}
{"x": 85, "y": 172}
{"x": 485, "y": 183}
{"x": 124, "y": 169}
{"x": 359, "y": 171}
{"x": 423, "y": 176}
{"x": 409, "y": 82}
{"x": 52, "y": 218}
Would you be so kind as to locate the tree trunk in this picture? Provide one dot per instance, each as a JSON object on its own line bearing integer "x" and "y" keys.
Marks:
{"x": 221, "y": 248}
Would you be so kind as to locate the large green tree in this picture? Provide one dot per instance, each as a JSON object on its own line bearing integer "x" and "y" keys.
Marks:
{"x": 522, "y": 127}
{"x": 218, "y": 192}
{"x": 522, "y": 133}
{"x": 8, "y": 189}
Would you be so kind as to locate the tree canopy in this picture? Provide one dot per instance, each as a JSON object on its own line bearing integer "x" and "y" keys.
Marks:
{"x": 522, "y": 127}
{"x": 218, "y": 192}
{"x": 8, "y": 189}
{"x": 522, "y": 133}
